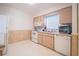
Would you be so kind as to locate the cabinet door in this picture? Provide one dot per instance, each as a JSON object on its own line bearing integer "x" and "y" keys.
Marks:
{"x": 40, "y": 38}
{"x": 44, "y": 39}
{"x": 66, "y": 15}
{"x": 38, "y": 21}
{"x": 49, "y": 42}
{"x": 41, "y": 20}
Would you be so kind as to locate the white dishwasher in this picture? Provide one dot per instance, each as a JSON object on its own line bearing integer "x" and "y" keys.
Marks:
{"x": 62, "y": 44}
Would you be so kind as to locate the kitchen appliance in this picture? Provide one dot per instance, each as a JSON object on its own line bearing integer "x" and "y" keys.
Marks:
{"x": 67, "y": 29}
{"x": 62, "y": 44}
{"x": 35, "y": 36}
{"x": 38, "y": 28}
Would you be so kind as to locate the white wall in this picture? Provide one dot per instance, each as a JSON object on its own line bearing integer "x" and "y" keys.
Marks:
{"x": 18, "y": 20}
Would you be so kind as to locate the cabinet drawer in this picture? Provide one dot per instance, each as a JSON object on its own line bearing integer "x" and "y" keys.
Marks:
{"x": 48, "y": 34}
{"x": 40, "y": 33}
{"x": 39, "y": 36}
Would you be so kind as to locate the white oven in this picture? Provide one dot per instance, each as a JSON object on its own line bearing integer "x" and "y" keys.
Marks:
{"x": 35, "y": 36}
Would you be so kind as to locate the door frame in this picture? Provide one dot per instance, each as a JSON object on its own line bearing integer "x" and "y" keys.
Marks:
{"x": 78, "y": 25}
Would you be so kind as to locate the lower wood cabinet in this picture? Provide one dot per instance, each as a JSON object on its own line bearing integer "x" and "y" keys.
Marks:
{"x": 46, "y": 40}
{"x": 40, "y": 40}
{"x": 49, "y": 42}
{"x": 40, "y": 37}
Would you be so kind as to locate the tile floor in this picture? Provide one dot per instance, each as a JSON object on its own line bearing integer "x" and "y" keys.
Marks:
{"x": 29, "y": 48}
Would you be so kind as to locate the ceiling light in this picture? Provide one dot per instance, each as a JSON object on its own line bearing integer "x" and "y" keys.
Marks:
{"x": 31, "y": 3}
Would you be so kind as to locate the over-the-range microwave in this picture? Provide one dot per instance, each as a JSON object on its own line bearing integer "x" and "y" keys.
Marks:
{"x": 67, "y": 29}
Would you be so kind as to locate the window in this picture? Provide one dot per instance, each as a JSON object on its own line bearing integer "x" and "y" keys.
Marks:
{"x": 52, "y": 22}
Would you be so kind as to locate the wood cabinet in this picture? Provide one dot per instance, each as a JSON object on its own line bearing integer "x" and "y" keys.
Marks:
{"x": 74, "y": 45}
{"x": 65, "y": 15}
{"x": 40, "y": 37}
{"x": 49, "y": 41}
{"x": 38, "y": 21}
{"x": 46, "y": 39}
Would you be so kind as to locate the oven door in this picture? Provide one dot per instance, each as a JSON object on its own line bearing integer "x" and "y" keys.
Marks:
{"x": 34, "y": 34}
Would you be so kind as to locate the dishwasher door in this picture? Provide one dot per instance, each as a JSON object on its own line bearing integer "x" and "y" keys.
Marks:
{"x": 62, "y": 44}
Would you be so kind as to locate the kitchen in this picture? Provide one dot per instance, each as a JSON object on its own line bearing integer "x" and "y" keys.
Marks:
{"x": 52, "y": 28}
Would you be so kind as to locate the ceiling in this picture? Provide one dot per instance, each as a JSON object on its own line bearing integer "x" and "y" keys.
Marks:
{"x": 32, "y": 8}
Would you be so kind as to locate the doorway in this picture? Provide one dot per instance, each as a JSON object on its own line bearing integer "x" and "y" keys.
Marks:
{"x": 3, "y": 32}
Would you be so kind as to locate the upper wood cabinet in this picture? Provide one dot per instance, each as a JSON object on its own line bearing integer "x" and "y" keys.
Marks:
{"x": 65, "y": 15}
{"x": 38, "y": 21}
